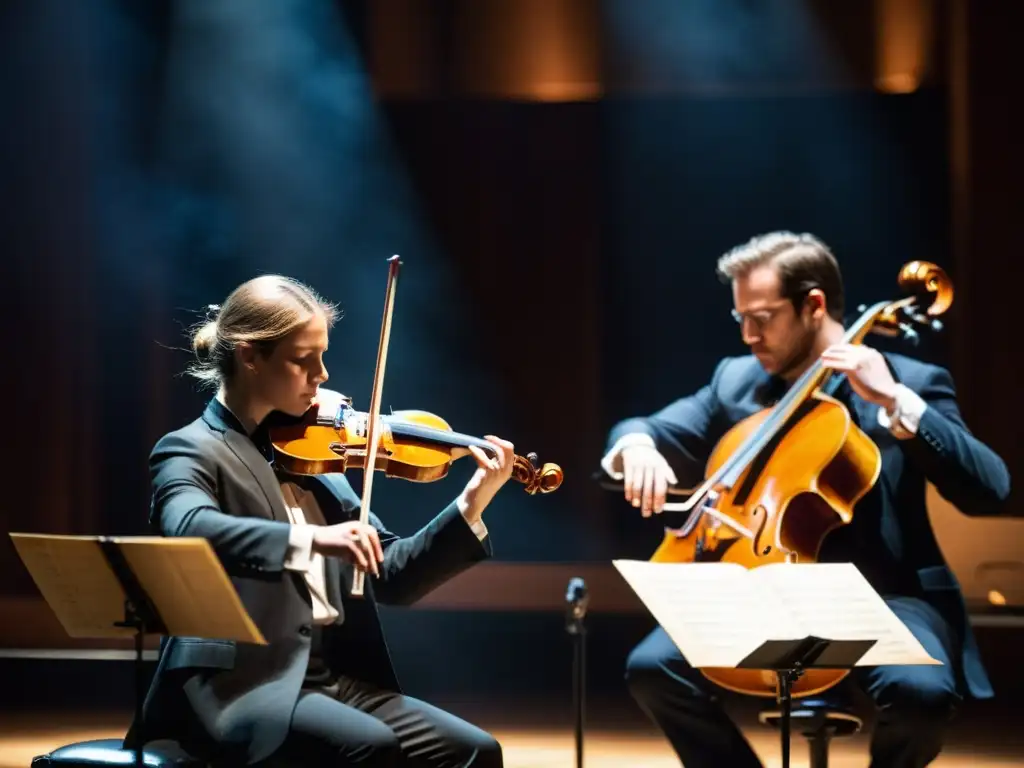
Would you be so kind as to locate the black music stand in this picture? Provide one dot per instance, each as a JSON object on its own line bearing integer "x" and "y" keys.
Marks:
{"x": 108, "y": 587}
{"x": 788, "y": 659}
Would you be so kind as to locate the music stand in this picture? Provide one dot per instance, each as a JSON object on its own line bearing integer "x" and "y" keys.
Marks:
{"x": 781, "y": 617}
{"x": 102, "y": 587}
{"x": 789, "y": 659}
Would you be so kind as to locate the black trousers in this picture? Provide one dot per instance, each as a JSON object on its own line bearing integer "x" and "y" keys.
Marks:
{"x": 914, "y": 702}
{"x": 340, "y": 721}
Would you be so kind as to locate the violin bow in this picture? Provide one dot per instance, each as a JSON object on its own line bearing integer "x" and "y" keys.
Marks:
{"x": 373, "y": 414}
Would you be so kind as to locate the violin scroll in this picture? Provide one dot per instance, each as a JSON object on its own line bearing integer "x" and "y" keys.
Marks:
{"x": 536, "y": 478}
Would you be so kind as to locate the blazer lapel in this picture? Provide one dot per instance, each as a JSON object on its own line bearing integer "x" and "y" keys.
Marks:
{"x": 864, "y": 414}
{"x": 261, "y": 470}
{"x": 222, "y": 420}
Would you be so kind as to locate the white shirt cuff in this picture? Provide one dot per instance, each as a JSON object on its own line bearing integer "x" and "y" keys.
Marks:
{"x": 612, "y": 461}
{"x": 479, "y": 529}
{"x": 300, "y": 548}
{"x": 906, "y": 414}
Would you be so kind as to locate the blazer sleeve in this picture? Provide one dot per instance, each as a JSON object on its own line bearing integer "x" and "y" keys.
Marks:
{"x": 967, "y": 473}
{"x": 416, "y": 565}
{"x": 682, "y": 431}
{"x": 185, "y": 504}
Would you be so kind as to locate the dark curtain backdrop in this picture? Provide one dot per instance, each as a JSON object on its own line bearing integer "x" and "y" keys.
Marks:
{"x": 560, "y": 256}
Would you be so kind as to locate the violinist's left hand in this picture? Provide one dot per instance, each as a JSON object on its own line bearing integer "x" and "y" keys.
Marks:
{"x": 490, "y": 475}
{"x": 866, "y": 370}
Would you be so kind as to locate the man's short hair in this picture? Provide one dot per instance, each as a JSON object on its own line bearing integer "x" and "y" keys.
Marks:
{"x": 802, "y": 261}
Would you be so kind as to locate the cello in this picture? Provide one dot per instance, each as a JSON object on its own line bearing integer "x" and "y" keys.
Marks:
{"x": 414, "y": 445}
{"x": 780, "y": 480}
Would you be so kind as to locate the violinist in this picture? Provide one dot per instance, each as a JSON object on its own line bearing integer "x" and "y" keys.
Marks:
{"x": 323, "y": 690}
{"x": 788, "y": 300}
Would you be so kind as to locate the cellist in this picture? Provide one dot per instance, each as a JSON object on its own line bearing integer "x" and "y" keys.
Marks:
{"x": 323, "y": 691}
{"x": 787, "y": 294}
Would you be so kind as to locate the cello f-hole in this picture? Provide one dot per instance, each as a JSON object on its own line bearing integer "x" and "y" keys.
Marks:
{"x": 760, "y": 515}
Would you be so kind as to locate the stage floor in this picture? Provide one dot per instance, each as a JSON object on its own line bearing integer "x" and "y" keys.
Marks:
{"x": 612, "y": 740}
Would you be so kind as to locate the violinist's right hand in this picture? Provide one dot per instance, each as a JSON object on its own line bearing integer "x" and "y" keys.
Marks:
{"x": 353, "y": 542}
{"x": 646, "y": 475}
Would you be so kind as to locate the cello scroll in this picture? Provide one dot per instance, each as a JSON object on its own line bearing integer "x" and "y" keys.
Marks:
{"x": 930, "y": 295}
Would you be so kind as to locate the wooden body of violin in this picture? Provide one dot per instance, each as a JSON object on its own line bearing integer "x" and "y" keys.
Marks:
{"x": 414, "y": 445}
{"x": 821, "y": 466}
{"x": 320, "y": 448}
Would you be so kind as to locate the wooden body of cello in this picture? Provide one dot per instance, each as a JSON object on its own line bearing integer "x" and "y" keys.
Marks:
{"x": 808, "y": 485}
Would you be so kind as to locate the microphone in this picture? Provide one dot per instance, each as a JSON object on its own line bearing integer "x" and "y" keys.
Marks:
{"x": 577, "y": 598}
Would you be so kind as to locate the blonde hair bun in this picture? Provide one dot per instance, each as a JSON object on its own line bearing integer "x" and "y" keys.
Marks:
{"x": 205, "y": 339}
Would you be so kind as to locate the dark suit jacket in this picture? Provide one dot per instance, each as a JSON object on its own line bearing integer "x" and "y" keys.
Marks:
{"x": 890, "y": 538}
{"x": 235, "y": 700}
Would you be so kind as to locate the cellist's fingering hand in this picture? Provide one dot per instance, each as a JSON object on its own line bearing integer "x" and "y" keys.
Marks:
{"x": 866, "y": 370}
{"x": 646, "y": 475}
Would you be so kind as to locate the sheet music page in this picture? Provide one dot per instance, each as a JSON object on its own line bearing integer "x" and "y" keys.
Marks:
{"x": 715, "y": 613}
{"x": 191, "y": 591}
{"x": 835, "y": 601}
{"x": 77, "y": 583}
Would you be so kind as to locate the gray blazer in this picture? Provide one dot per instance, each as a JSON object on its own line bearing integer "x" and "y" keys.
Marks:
{"x": 234, "y": 701}
{"x": 890, "y": 538}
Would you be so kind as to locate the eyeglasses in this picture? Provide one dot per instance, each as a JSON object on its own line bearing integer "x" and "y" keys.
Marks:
{"x": 760, "y": 318}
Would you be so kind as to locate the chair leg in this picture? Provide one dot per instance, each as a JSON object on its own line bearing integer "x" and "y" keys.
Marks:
{"x": 817, "y": 745}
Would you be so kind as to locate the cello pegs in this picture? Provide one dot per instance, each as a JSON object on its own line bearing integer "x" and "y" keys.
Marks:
{"x": 909, "y": 333}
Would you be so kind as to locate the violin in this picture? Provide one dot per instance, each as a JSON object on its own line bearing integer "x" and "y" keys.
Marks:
{"x": 414, "y": 445}
{"x": 780, "y": 480}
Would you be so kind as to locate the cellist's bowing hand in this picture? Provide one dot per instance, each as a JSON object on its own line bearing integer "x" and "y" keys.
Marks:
{"x": 490, "y": 475}
{"x": 866, "y": 370}
{"x": 646, "y": 475}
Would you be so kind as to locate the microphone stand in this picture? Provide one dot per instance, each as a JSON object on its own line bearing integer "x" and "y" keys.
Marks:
{"x": 577, "y": 600}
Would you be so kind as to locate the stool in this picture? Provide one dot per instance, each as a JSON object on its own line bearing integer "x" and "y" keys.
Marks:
{"x": 819, "y": 720}
{"x": 111, "y": 752}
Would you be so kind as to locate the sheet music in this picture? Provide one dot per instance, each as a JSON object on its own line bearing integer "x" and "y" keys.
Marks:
{"x": 715, "y": 613}
{"x": 77, "y": 583}
{"x": 187, "y": 583}
{"x": 835, "y": 601}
